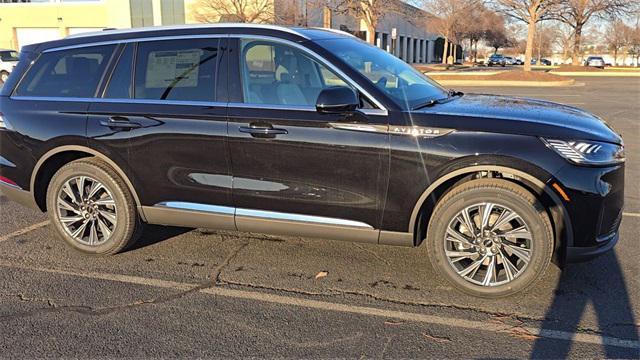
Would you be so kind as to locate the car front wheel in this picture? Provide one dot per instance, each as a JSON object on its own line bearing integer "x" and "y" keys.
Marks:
{"x": 91, "y": 207}
{"x": 490, "y": 238}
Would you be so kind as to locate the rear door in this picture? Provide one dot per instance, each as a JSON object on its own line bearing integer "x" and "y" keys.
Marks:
{"x": 169, "y": 125}
{"x": 292, "y": 166}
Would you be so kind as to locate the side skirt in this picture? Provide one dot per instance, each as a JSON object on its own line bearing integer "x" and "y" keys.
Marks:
{"x": 269, "y": 222}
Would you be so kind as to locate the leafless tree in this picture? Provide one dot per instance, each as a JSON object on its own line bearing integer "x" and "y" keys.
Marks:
{"x": 371, "y": 12}
{"x": 244, "y": 11}
{"x": 577, "y": 13}
{"x": 481, "y": 24}
{"x": 617, "y": 36}
{"x": 530, "y": 12}
{"x": 450, "y": 19}
{"x": 634, "y": 43}
{"x": 497, "y": 39}
{"x": 562, "y": 39}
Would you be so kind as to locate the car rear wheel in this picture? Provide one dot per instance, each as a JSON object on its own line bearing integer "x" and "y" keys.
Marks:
{"x": 490, "y": 238}
{"x": 4, "y": 76}
{"x": 91, "y": 208}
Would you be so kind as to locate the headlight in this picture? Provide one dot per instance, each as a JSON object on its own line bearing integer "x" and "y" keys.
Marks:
{"x": 588, "y": 152}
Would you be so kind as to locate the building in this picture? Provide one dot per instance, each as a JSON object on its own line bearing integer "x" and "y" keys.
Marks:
{"x": 24, "y": 22}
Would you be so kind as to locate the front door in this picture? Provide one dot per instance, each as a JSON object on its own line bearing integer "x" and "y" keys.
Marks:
{"x": 296, "y": 170}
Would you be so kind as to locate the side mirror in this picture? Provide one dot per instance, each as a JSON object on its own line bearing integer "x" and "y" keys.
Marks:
{"x": 337, "y": 100}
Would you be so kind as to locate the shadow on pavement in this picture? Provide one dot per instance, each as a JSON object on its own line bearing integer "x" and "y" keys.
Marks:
{"x": 155, "y": 233}
{"x": 600, "y": 283}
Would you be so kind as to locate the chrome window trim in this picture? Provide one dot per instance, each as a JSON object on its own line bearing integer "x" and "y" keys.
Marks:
{"x": 321, "y": 60}
{"x": 136, "y": 40}
{"x": 123, "y": 101}
{"x": 382, "y": 110}
{"x": 272, "y": 107}
{"x": 262, "y": 214}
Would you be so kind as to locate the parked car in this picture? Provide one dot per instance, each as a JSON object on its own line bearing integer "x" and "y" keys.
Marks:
{"x": 545, "y": 62}
{"x": 595, "y": 61}
{"x": 509, "y": 60}
{"x": 519, "y": 62}
{"x": 8, "y": 60}
{"x": 497, "y": 59}
{"x": 304, "y": 132}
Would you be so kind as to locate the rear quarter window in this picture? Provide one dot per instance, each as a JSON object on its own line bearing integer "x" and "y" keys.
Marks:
{"x": 67, "y": 73}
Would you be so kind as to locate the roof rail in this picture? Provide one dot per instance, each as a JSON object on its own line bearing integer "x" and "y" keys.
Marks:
{"x": 111, "y": 31}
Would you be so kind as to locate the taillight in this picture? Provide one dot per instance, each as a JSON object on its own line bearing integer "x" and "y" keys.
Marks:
{"x": 7, "y": 181}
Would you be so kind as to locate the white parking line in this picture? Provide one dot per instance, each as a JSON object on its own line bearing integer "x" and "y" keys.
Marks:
{"x": 24, "y": 230}
{"x": 344, "y": 308}
{"x": 632, "y": 214}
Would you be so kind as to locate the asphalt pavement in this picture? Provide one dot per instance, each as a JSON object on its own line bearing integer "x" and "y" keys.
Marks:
{"x": 207, "y": 293}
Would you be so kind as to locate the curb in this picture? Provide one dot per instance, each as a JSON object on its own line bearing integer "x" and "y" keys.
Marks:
{"x": 598, "y": 73}
{"x": 498, "y": 83}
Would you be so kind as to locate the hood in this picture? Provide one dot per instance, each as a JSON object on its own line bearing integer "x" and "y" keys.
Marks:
{"x": 524, "y": 116}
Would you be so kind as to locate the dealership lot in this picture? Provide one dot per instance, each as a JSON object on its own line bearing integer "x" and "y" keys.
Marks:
{"x": 208, "y": 293}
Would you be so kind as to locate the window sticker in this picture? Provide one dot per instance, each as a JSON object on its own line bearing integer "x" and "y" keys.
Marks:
{"x": 173, "y": 68}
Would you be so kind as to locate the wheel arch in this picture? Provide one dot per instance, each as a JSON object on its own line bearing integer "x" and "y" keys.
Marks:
{"x": 557, "y": 212}
{"x": 57, "y": 157}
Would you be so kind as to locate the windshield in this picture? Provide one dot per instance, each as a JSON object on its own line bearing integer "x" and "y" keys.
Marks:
{"x": 9, "y": 55}
{"x": 404, "y": 84}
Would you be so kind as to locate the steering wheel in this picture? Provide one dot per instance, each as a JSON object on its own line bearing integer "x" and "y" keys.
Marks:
{"x": 382, "y": 82}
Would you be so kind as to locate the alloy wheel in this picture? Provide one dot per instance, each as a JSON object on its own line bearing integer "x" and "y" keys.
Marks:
{"x": 87, "y": 210}
{"x": 488, "y": 244}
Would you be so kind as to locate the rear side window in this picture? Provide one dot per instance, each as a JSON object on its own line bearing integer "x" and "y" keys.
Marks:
{"x": 69, "y": 73}
{"x": 184, "y": 70}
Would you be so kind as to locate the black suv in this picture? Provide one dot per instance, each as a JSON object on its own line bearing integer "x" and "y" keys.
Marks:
{"x": 304, "y": 132}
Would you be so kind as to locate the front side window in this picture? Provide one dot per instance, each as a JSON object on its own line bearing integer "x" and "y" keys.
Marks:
{"x": 68, "y": 73}
{"x": 183, "y": 70}
{"x": 278, "y": 74}
{"x": 407, "y": 86}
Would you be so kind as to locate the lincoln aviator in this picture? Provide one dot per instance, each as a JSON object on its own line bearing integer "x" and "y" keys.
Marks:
{"x": 305, "y": 132}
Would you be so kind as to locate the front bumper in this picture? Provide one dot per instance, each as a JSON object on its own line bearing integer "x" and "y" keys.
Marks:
{"x": 596, "y": 200}
{"x": 580, "y": 254}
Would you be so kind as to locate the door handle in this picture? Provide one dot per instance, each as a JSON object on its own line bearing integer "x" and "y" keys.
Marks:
{"x": 262, "y": 130}
{"x": 119, "y": 122}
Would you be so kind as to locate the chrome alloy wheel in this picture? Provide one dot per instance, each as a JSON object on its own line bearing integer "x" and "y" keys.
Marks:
{"x": 87, "y": 210}
{"x": 488, "y": 244}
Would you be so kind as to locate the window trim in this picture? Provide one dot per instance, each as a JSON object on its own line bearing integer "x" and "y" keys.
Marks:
{"x": 381, "y": 110}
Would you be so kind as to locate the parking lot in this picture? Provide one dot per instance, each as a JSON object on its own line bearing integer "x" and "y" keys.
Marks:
{"x": 191, "y": 293}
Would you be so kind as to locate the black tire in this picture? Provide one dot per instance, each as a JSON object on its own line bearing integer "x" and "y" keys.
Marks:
{"x": 128, "y": 226}
{"x": 3, "y": 74}
{"x": 506, "y": 194}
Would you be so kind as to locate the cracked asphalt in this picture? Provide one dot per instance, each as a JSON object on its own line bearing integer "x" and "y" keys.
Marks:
{"x": 207, "y": 293}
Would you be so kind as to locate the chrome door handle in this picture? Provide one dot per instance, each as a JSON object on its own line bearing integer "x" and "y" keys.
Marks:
{"x": 262, "y": 131}
{"x": 119, "y": 122}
